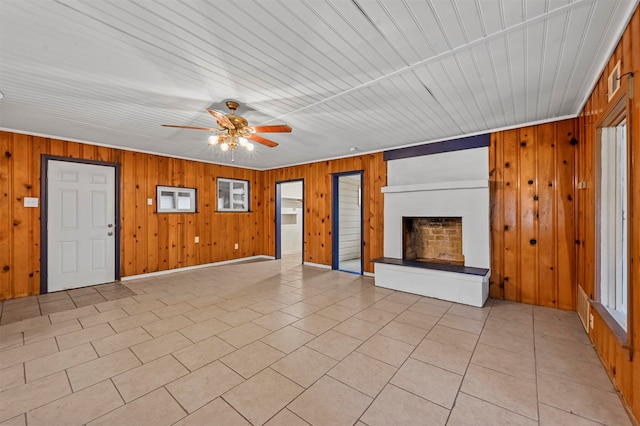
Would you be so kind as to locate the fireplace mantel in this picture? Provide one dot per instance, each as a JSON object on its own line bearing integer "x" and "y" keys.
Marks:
{"x": 437, "y": 186}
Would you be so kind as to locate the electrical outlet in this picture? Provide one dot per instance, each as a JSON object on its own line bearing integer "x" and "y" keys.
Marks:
{"x": 30, "y": 202}
{"x": 236, "y": 246}
{"x": 591, "y": 321}
{"x": 196, "y": 240}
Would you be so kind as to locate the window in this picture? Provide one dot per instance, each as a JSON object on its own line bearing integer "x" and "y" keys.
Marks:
{"x": 175, "y": 200}
{"x": 614, "y": 195}
{"x": 233, "y": 195}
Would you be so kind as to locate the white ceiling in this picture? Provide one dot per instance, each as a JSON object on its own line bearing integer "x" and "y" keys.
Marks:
{"x": 361, "y": 73}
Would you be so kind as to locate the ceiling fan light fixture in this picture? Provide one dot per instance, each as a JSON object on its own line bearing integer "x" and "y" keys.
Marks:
{"x": 233, "y": 131}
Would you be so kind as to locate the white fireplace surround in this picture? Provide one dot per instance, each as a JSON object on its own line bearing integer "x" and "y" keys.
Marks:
{"x": 452, "y": 184}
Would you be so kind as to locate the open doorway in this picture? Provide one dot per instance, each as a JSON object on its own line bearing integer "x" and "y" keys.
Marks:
{"x": 290, "y": 221}
{"x": 347, "y": 222}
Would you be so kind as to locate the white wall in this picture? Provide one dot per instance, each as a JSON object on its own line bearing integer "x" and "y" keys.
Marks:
{"x": 469, "y": 164}
{"x": 349, "y": 218}
{"x": 291, "y": 233}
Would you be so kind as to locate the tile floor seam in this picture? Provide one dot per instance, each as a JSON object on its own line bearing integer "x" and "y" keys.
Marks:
{"x": 503, "y": 372}
{"x": 234, "y": 408}
{"x": 281, "y": 410}
{"x": 373, "y": 398}
{"x": 615, "y": 389}
{"x": 535, "y": 363}
{"x": 427, "y": 399}
{"x": 176, "y": 400}
{"x": 498, "y": 406}
{"x": 124, "y": 401}
{"x": 466, "y": 369}
{"x": 48, "y": 402}
{"x": 55, "y": 338}
{"x": 401, "y": 365}
{"x": 135, "y": 355}
{"x": 187, "y": 368}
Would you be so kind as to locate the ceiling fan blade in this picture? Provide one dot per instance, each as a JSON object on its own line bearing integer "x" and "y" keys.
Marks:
{"x": 222, "y": 119}
{"x": 211, "y": 129}
{"x": 276, "y": 128}
{"x": 263, "y": 141}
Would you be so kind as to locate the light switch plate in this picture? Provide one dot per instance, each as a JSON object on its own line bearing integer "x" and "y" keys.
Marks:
{"x": 149, "y": 201}
{"x": 30, "y": 202}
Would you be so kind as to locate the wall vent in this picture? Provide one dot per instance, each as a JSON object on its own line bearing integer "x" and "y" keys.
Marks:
{"x": 614, "y": 82}
{"x": 583, "y": 308}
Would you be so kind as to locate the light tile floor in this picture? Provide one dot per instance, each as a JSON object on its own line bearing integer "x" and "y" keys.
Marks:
{"x": 27, "y": 307}
{"x": 278, "y": 343}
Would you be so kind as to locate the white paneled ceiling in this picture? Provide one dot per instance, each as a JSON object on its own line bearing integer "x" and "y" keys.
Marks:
{"x": 362, "y": 73}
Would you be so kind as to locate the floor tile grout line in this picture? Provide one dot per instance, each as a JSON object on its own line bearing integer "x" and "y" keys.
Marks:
{"x": 535, "y": 363}
{"x": 337, "y": 362}
{"x": 398, "y": 368}
{"x": 187, "y": 414}
{"x": 510, "y": 375}
{"x": 499, "y": 406}
{"x": 234, "y": 408}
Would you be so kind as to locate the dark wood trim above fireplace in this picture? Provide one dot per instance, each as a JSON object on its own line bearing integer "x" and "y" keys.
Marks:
{"x": 460, "y": 144}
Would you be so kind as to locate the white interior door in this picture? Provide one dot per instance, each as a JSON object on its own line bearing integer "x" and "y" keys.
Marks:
{"x": 80, "y": 225}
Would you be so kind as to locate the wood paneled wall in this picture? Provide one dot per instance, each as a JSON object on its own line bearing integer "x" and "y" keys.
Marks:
{"x": 317, "y": 205}
{"x": 532, "y": 214}
{"x": 624, "y": 372}
{"x": 150, "y": 242}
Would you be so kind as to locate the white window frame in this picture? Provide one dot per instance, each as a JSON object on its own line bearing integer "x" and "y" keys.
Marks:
{"x": 177, "y": 196}
{"x": 614, "y": 232}
{"x": 238, "y": 195}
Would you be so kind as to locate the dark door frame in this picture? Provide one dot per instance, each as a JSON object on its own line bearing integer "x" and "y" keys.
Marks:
{"x": 279, "y": 216}
{"x": 335, "y": 215}
{"x": 44, "y": 213}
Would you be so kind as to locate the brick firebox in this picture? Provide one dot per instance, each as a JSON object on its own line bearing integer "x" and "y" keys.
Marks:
{"x": 433, "y": 239}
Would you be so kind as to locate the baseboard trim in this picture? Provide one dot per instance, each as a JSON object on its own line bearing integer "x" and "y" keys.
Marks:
{"x": 190, "y": 268}
{"x": 317, "y": 265}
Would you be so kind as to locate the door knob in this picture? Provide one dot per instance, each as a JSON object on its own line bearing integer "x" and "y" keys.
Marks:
{"x": 109, "y": 233}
